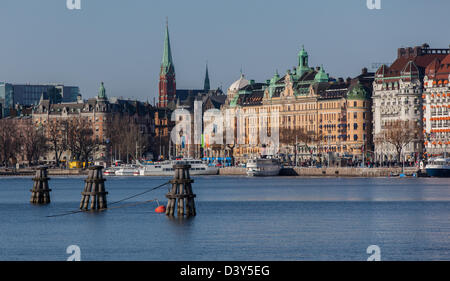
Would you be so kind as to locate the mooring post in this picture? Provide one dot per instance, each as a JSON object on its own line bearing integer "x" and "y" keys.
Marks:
{"x": 94, "y": 190}
{"x": 181, "y": 190}
{"x": 40, "y": 193}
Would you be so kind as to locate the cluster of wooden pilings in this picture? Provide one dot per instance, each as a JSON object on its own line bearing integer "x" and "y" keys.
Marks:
{"x": 181, "y": 190}
{"x": 40, "y": 193}
{"x": 94, "y": 190}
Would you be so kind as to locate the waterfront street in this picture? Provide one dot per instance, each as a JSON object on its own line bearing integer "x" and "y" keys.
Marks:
{"x": 238, "y": 218}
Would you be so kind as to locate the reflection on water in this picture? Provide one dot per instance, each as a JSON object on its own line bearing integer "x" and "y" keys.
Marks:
{"x": 238, "y": 218}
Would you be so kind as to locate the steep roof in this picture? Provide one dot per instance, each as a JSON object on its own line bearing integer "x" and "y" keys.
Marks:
{"x": 255, "y": 98}
{"x": 415, "y": 61}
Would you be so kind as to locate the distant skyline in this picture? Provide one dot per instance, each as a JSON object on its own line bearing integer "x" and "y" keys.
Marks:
{"x": 121, "y": 42}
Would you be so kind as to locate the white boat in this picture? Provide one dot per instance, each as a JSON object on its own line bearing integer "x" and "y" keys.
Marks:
{"x": 126, "y": 171}
{"x": 111, "y": 171}
{"x": 263, "y": 167}
{"x": 438, "y": 167}
{"x": 165, "y": 168}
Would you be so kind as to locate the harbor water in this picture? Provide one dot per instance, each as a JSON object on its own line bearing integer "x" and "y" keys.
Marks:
{"x": 238, "y": 218}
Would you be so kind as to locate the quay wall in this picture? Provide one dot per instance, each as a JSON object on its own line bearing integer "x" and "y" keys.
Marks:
{"x": 51, "y": 172}
{"x": 232, "y": 171}
{"x": 330, "y": 172}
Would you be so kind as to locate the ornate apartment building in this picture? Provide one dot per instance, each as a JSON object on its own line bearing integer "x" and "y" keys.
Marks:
{"x": 100, "y": 114}
{"x": 436, "y": 107}
{"x": 397, "y": 95}
{"x": 335, "y": 114}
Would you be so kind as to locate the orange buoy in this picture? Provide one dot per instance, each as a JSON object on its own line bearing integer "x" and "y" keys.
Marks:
{"x": 160, "y": 209}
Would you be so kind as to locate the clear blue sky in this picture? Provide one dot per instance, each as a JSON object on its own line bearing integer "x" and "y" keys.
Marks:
{"x": 121, "y": 42}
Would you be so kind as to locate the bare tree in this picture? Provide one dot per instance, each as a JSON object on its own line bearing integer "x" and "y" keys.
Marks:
{"x": 81, "y": 141}
{"x": 293, "y": 136}
{"x": 128, "y": 138}
{"x": 399, "y": 133}
{"x": 9, "y": 141}
{"x": 34, "y": 144}
{"x": 57, "y": 137}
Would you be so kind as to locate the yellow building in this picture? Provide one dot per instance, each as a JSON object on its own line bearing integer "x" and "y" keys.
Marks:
{"x": 317, "y": 116}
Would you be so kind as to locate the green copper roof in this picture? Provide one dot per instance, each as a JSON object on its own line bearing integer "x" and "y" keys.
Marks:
{"x": 302, "y": 67}
{"x": 102, "y": 92}
{"x": 206, "y": 85}
{"x": 275, "y": 78}
{"x": 302, "y": 52}
{"x": 166, "y": 63}
{"x": 321, "y": 76}
{"x": 357, "y": 93}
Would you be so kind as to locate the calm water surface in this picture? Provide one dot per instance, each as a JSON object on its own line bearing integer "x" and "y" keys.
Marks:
{"x": 238, "y": 218}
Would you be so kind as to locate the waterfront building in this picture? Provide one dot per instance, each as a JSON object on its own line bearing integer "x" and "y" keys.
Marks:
{"x": 313, "y": 114}
{"x": 102, "y": 115}
{"x": 436, "y": 107}
{"x": 397, "y": 95}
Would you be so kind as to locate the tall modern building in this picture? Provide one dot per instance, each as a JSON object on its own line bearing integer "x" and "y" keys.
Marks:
{"x": 6, "y": 98}
{"x": 29, "y": 94}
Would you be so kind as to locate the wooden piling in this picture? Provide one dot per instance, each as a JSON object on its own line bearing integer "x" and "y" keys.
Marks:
{"x": 40, "y": 193}
{"x": 181, "y": 190}
{"x": 94, "y": 190}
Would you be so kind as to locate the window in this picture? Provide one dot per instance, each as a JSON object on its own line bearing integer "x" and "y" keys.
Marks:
{"x": 355, "y": 126}
{"x": 355, "y": 137}
{"x": 355, "y": 115}
{"x": 355, "y": 104}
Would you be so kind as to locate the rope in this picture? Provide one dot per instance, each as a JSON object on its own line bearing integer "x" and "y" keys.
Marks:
{"x": 121, "y": 200}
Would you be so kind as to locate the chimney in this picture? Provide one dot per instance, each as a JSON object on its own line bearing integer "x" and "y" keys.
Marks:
{"x": 417, "y": 51}
{"x": 400, "y": 52}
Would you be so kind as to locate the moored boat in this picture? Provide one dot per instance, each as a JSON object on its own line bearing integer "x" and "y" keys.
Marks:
{"x": 165, "y": 168}
{"x": 263, "y": 167}
{"x": 438, "y": 167}
{"x": 126, "y": 171}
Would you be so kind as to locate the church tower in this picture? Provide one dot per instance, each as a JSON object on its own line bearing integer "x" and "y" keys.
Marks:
{"x": 167, "y": 84}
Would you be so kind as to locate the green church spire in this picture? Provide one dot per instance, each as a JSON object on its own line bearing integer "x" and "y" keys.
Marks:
{"x": 206, "y": 86}
{"x": 167, "y": 63}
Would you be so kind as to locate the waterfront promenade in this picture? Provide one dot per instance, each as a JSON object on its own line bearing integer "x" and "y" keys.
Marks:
{"x": 237, "y": 171}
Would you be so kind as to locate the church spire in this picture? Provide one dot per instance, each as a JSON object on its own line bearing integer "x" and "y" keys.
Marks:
{"x": 206, "y": 86}
{"x": 166, "y": 63}
{"x": 167, "y": 84}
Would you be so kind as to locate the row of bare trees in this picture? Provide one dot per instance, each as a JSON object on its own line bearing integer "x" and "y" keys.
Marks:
{"x": 20, "y": 140}
{"x": 397, "y": 133}
{"x": 28, "y": 141}
{"x": 128, "y": 138}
